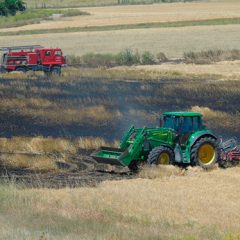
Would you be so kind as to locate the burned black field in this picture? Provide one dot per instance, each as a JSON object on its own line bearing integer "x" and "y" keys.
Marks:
{"x": 73, "y": 106}
{"x": 49, "y": 126}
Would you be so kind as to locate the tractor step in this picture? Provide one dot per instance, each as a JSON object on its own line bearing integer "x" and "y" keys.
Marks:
{"x": 108, "y": 155}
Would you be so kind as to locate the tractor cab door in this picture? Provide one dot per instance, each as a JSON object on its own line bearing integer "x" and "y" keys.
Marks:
{"x": 187, "y": 126}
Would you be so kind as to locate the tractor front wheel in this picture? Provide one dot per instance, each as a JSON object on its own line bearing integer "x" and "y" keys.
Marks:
{"x": 205, "y": 152}
{"x": 161, "y": 155}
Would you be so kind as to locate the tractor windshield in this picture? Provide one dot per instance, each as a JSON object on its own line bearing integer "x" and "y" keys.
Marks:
{"x": 190, "y": 124}
{"x": 182, "y": 124}
{"x": 171, "y": 122}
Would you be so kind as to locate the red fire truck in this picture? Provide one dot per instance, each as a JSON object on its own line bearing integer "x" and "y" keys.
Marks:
{"x": 32, "y": 58}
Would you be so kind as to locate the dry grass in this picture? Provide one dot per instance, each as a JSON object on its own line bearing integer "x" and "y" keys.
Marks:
{"x": 118, "y": 15}
{"x": 41, "y": 154}
{"x": 173, "y": 41}
{"x": 211, "y": 56}
{"x": 219, "y": 119}
{"x": 48, "y": 111}
{"x": 30, "y": 162}
{"x": 41, "y": 145}
{"x": 202, "y": 205}
{"x": 225, "y": 70}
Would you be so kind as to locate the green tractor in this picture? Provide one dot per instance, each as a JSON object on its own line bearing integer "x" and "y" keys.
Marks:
{"x": 181, "y": 139}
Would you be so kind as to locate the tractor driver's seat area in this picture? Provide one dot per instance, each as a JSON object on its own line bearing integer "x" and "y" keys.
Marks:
{"x": 182, "y": 139}
{"x": 188, "y": 125}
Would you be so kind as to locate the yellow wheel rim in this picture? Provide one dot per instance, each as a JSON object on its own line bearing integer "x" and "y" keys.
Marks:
{"x": 206, "y": 154}
{"x": 164, "y": 159}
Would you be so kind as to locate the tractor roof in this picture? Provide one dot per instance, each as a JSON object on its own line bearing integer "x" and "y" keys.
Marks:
{"x": 183, "y": 114}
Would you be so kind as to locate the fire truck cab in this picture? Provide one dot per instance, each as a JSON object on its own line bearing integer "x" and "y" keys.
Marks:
{"x": 32, "y": 58}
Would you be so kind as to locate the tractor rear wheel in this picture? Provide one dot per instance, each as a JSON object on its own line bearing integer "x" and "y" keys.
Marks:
{"x": 204, "y": 152}
{"x": 161, "y": 155}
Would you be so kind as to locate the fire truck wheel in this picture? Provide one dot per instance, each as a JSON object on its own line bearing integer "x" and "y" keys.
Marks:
{"x": 21, "y": 69}
{"x": 56, "y": 70}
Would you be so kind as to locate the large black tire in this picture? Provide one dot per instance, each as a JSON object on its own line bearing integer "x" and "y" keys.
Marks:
{"x": 161, "y": 155}
{"x": 205, "y": 152}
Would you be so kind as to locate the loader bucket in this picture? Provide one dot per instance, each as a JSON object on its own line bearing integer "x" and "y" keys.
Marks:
{"x": 109, "y": 155}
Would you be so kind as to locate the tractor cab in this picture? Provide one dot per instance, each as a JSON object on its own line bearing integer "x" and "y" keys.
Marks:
{"x": 183, "y": 122}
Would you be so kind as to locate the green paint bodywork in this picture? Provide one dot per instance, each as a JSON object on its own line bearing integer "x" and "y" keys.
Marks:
{"x": 137, "y": 143}
{"x": 183, "y": 114}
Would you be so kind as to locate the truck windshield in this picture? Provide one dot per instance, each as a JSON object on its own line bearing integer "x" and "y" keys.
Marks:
{"x": 171, "y": 122}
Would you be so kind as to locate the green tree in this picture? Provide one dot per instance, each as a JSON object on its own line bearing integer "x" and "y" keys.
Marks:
{"x": 3, "y": 9}
{"x": 11, "y": 7}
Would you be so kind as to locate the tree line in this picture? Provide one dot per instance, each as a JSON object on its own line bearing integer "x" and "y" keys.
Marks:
{"x": 11, "y": 7}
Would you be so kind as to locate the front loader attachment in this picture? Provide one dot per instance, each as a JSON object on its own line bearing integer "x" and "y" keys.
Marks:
{"x": 108, "y": 155}
{"x": 130, "y": 149}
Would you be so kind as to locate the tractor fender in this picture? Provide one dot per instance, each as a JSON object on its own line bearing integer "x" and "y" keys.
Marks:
{"x": 196, "y": 136}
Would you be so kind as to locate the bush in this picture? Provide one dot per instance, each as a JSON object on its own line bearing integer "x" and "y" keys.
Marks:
{"x": 128, "y": 57}
{"x": 73, "y": 60}
{"x": 97, "y": 60}
{"x": 147, "y": 58}
{"x": 124, "y": 58}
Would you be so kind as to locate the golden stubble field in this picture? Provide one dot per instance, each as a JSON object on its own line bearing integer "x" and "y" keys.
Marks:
{"x": 172, "y": 205}
{"x": 172, "y": 41}
{"x": 133, "y": 14}
{"x": 225, "y": 69}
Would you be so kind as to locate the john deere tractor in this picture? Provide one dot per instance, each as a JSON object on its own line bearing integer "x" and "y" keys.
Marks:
{"x": 181, "y": 138}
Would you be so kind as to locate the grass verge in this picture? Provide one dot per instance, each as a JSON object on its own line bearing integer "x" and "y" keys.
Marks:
{"x": 211, "y": 56}
{"x": 89, "y": 3}
{"x": 33, "y": 16}
{"x": 207, "y": 22}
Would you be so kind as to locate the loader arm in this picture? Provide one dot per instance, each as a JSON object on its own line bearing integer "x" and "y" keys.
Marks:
{"x": 124, "y": 144}
{"x": 134, "y": 151}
